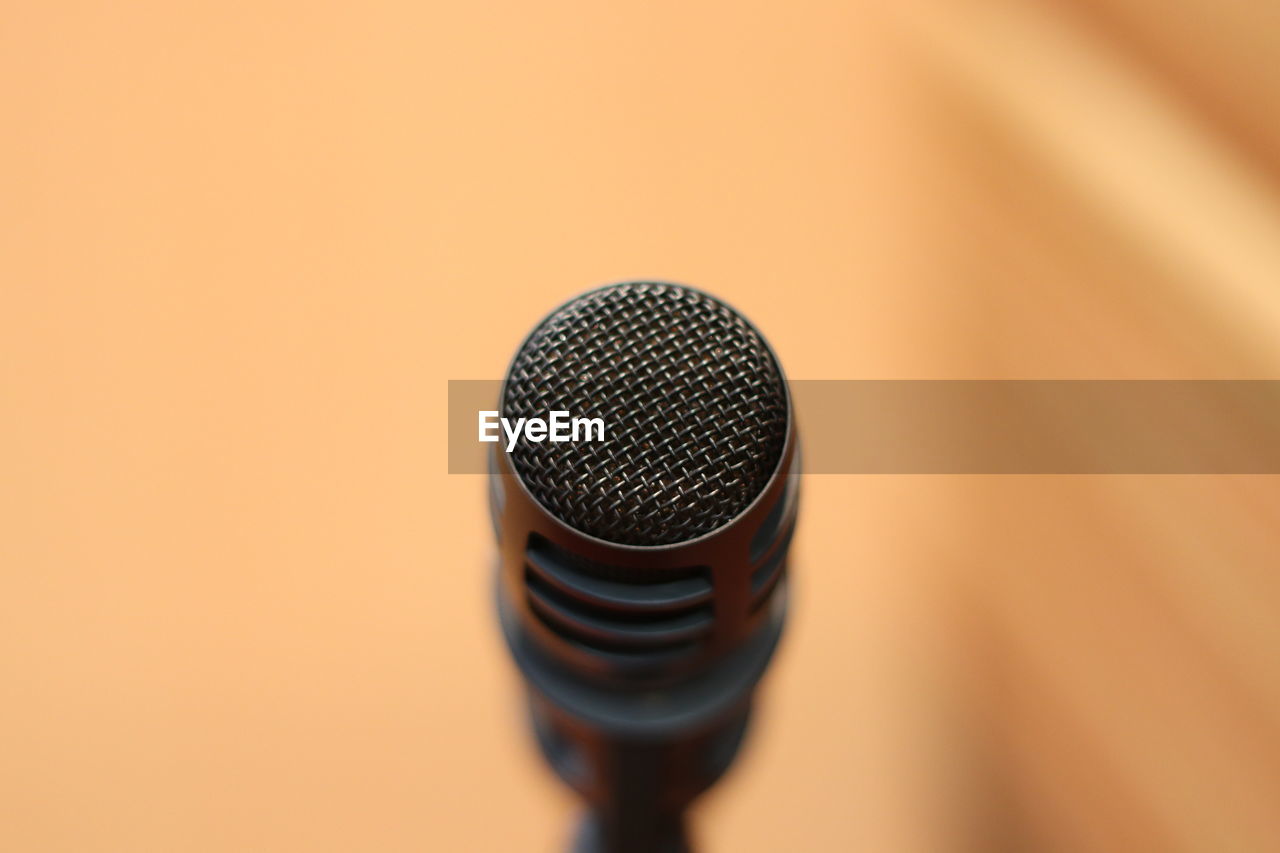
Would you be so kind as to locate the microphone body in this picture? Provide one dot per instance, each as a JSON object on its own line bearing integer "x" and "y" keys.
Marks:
{"x": 642, "y": 605}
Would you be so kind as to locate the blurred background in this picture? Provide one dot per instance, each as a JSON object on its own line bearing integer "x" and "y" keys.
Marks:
{"x": 243, "y": 607}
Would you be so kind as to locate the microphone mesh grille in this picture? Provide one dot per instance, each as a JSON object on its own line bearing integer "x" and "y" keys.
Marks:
{"x": 694, "y": 408}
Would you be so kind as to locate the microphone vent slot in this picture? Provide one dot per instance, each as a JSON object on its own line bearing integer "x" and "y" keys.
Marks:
{"x": 764, "y": 580}
{"x": 651, "y": 614}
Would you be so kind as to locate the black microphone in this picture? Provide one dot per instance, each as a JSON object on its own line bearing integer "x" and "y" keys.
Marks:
{"x": 644, "y": 492}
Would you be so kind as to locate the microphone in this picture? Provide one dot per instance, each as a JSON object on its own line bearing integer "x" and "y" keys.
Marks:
{"x": 644, "y": 503}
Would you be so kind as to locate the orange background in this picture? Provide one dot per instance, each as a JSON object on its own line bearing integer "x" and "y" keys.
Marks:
{"x": 244, "y": 245}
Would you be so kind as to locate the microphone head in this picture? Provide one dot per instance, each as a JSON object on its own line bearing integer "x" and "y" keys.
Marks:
{"x": 694, "y": 404}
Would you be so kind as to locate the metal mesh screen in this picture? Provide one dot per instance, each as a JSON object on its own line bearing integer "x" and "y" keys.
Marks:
{"x": 694, "y": 408}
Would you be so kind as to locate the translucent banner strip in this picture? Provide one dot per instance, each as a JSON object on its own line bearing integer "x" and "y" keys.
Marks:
{"x": 993, "y": 426}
